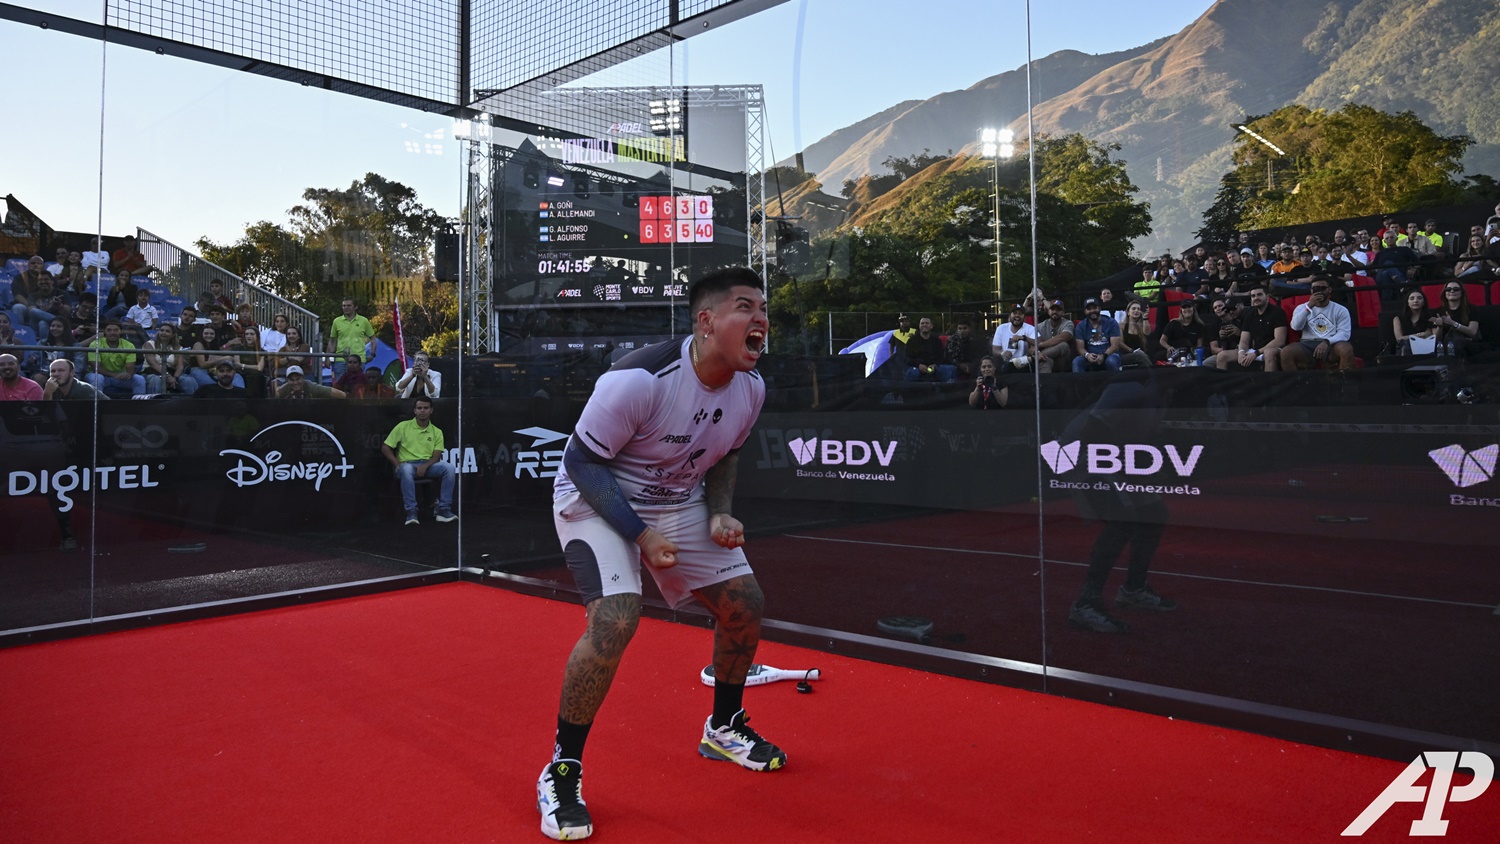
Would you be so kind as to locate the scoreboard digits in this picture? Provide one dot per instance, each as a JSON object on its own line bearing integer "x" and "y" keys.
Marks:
{"x": 677, "y": 219}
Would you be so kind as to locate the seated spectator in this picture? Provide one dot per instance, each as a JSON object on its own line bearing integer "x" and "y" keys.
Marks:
{"x": 244, "y": 318}
{"x": 1135, "y": 334}
{"x": 924, "y": 352}
{"x": 1457, "y": 327}
{"x": 62, "y": 384}
{"x": 415, "y": 450}
{"x": 1474, "y": 262}
{"x": 85, "y": 319}
{"x": 113, "y": 363}
{"x": 143, "y": 317}
{"x": 13, "y": 387}
{"x": 1264, "y": 257}
{"x": 960, "y": 353}
{"x": 298, "y": 387}
{"x": 223, "y": 385}
{"x": 1014, "y": 345}
{"x": 188, "y": 329}
{"x": 208, "y": 353}
{"x": 1429, "y": 231}
{"x": 1054, "y": 340}
{"x": 986, "y": 394}
{"x": 75, "y": 277}
{"x": 1420, "y": 243}
{"x": 1414, "y": 321}
{"x": 127, "y": 260}
{"x": 1182, "y": 339}
{"x": 254, "y": 367}
{"x": 167, "y": 363}
{"x": 292, "y": 353}
{"x": 58, "y": 334}
{"x": 1097, "y": 341}
{"x": 23, "y": 289}
{"x": 1263, "y": 333}
{"x": 273, "y": 338}
{"x": 1326, "y": 327}
{"x": 1362, "y": 252}
{"x": 372, "y": 387}
{"x": 1288, "y": 275}
{"x": 899, "y": 338}
{"x": 120, "y": 297}
{"x": 220, "y": 298}
{"x": 1107, "y": 304}
{"x": 1149, "y": 287}
{"x": 353, "y": 375}
{"x": 1222, "y": 328}
{"x": 1394, "y": 265}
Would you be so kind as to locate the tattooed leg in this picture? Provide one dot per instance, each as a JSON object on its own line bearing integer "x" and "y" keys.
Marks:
{"x": 591, "y": 668}
{"x": 737, "y": 605}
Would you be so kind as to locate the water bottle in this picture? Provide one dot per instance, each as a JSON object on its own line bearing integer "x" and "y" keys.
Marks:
{"x": 1198, "y": 355}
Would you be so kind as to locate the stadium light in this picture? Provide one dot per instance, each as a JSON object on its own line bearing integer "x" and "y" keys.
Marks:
{"x": 997, "y": 144}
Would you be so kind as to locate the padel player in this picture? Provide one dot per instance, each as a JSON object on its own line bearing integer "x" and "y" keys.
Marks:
{"x": 648, "y": 475}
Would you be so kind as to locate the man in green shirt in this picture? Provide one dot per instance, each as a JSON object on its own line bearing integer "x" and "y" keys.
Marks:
{"x": 415, "y": 449}
{"x": 114, "y": 364}
{"x": 348, "y": 334}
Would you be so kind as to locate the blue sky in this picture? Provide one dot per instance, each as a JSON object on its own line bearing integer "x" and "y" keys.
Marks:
{"x": 193, "y": 150}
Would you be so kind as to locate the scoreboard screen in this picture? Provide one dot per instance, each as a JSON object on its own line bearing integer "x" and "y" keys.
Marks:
{"x": 583, "y": 236}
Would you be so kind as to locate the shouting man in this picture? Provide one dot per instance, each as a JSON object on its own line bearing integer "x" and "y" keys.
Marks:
{"x": 648, "y": 476}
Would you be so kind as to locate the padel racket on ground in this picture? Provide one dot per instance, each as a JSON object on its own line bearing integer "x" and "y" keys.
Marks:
{"x": 762, "y": 674}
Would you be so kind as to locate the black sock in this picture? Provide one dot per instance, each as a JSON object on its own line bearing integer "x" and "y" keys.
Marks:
{"x": 570, "y": 739}
{"x": 729, "y": 698}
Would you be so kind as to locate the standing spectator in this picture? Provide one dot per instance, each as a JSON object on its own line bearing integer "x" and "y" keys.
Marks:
{"x": 120, "y": 297}
{"x": 415, "y": 450}
{"x": 64, "y": 386}
{"x": 960, "y": 353}
{"x": 1096, "y": 340}
{"x": 1054, "y": 340}
{"x": 349, "y": 334}
{"x": 420, "y": 380}
{"x": 1014, "y": 344}
{"x": 1326, "y": 327}
{"x": 113, "y": 362}
{"x": 127, "y": 260}
{"x": 1263, "y": 332}
{"x": 12, "y": 386}
{"x": 924, "y": 351}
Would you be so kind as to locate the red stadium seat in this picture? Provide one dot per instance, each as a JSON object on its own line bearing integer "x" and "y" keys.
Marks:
{"x": 1366, "y": 302}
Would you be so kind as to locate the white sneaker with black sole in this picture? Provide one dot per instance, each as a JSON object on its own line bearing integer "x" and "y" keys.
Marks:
{"x": 559, "y": 797}
{"x": 741, "y": 745}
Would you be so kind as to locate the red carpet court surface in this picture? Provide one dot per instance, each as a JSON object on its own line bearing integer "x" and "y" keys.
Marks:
{"x": 426, "y": 715}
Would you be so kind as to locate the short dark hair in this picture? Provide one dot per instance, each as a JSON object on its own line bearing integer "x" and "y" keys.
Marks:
{"x": 720, "y": 281}
{"x": 420, "y": 400}
{"x": 216, "y": 309}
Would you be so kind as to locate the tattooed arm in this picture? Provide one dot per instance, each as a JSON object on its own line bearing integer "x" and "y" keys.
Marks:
{"x": 718, "y": 485}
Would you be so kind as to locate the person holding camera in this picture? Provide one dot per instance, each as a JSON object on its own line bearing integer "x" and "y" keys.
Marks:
{"x": 420, "y": 379}
{"x": 986, "y": 395}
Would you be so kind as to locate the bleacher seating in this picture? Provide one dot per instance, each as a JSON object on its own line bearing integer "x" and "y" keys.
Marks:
{"x": 25, "y": 336}
{"x": 5, "y": 301}
{"x": 171, "y": 305}
{"x": 16, "y": 265}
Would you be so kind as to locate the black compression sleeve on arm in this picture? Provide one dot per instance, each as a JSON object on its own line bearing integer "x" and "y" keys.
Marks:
{"x": 598, "y": 487}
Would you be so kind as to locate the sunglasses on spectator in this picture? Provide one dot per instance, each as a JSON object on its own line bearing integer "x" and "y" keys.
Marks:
{"x": 1453, "y": 290}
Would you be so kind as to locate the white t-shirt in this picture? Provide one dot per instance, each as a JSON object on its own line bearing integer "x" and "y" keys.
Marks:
{"x": 271, "y": 340}
{"x": 1005, "y": 338}
{"x": 660, "y": 429}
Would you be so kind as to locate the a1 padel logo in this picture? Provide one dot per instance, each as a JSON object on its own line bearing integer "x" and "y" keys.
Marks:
{"x": 1109, "y": 459}
{"x": 1466, "y": 468}
{"x": 1404, "y": 789}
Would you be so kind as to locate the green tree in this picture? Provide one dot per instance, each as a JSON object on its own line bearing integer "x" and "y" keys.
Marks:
{"x": 1224, "y": 219}
{"x": 1347, "y": 163}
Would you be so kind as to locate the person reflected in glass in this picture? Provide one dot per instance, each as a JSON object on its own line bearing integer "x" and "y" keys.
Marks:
{"x": 987, "y": 393}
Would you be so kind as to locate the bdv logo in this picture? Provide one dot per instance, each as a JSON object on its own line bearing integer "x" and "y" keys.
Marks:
{"x": 1110, "y": 459}
{"x": 1466, "y": 468}
{"x": 841, "y": 452}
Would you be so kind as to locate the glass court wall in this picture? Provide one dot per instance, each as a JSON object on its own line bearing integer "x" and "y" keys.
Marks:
{"x": 1311, "y": 541}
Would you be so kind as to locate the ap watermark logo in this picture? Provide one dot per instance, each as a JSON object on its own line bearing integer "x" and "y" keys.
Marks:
{"x": 1466, "y": 468}
{"x": 1404, "y": 789}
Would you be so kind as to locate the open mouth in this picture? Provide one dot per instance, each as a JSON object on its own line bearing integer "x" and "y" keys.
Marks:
{"x": 755, "y": 341}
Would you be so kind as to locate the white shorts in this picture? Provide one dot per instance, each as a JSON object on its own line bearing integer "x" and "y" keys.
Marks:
{"x": 605, "y": 563}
